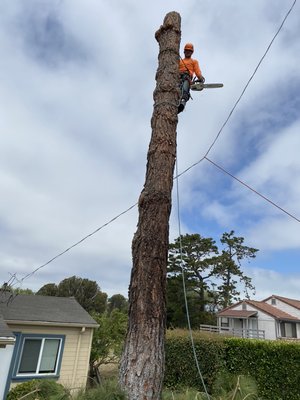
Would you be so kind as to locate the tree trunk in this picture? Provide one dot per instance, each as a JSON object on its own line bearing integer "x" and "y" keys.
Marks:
{"x": 142, "y": 363}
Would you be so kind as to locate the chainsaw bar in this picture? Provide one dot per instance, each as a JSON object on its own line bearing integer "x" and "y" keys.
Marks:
{"x": 201, "y": 86}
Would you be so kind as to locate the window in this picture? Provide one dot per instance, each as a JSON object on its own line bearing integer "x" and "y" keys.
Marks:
{"x": 225, "y": 322}
{"x": 38, "y": 355}
{"x": 273, "y": 301}
{"x": 288, "y": 329}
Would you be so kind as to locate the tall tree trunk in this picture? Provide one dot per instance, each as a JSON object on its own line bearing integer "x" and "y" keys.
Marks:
{"x": 142, "y": 363}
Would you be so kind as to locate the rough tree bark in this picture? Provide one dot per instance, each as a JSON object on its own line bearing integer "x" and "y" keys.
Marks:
{"x": 142, "y": 363}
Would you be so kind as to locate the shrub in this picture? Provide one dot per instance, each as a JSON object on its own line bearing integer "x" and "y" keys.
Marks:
{"x": 42, "y": 390}
{"x": 273, "y": 364}
{"x": 181, "y": 370}
{"x": 109, "y": 390}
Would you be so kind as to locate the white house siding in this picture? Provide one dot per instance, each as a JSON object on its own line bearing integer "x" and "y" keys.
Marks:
{"x": 298, "y": 330}
{"x": 5, "y": 359}
{"x": 75, "y": 361}
{"x": 265, "y": 321}
{"x": 285, "y": 307}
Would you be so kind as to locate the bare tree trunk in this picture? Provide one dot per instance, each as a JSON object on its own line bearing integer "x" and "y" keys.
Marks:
{"x": 142, "y": 363}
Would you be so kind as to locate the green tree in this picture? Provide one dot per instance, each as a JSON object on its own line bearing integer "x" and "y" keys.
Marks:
{"x": 108, "y": 339}
{"x": 50, "y": 289}
{"x": 117, "y": 302}
{"x": 212, "y": 276}
{"x": 176, "y": 312}
{"x": 85, "y": 291}
{"x": 197, "y": 258}
{"x": 229, "y": 268}
{"x": 176, "y": 308}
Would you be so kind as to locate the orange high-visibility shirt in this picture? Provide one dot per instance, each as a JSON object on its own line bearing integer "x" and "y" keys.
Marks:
{"x": 190, "y": 65}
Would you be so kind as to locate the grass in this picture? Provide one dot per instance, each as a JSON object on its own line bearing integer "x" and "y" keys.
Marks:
{"x": 109, "y": 371}
{"x": 110, "y": 390}
{"x": 188, "y": 394}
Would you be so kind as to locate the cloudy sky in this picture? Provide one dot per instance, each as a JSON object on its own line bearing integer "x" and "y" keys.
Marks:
{"x": 76, "y": 85}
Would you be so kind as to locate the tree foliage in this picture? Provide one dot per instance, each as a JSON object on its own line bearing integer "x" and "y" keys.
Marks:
{"x": 108, "y": 338}
{"x": 212, "y": 276}
{"x": 196, "y": 256}
{"x": 50, "y": 289}
{"x": 229, "y": 268}
{"x": 85, "y": 291}
{"x": 117, "y": 302}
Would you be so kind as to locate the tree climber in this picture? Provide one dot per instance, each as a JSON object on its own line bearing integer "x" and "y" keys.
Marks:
{"x": 188, "y": 69}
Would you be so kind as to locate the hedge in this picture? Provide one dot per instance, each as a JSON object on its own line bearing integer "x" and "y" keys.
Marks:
{"x": 275, "y": 365}
{"x": 181, "y": 370}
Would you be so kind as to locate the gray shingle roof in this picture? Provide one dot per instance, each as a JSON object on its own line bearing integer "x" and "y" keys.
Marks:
{"x": 45, "y": 309}
{"x": 5, "y": 332}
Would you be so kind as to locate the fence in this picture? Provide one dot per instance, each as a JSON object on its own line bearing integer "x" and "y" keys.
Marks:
{"x": 243, "y": 333}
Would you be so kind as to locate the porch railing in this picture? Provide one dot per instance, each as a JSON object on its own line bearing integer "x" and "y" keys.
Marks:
{"x": 243, "y": 333}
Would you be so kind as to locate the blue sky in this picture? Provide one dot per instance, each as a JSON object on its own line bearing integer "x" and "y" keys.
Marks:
{"x": 76, "y": 94}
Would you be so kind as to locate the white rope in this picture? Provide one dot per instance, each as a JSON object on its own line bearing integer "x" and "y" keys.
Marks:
{"x": 184, "y": 288}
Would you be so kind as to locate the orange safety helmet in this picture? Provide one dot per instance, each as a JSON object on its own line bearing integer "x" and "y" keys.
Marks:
{"x": 189, "y": 46}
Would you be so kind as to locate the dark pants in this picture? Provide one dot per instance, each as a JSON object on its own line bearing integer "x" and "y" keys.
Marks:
{"x": 185, "y": 83}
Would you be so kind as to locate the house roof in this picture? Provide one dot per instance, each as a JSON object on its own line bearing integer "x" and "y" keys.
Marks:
{"x": 43, "y": 309}
{"x": 291, "y": 302}
{"x": 236, "y": 313}
{"x": 273, "y": 311}
{"x": 259, "y": 305}
{"x": 5, "y": 332}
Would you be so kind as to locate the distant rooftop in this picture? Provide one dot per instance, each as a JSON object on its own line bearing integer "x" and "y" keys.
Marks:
{"x": 291, "y": 302}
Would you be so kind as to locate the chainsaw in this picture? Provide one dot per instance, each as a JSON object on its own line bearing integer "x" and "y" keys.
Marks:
{"x": 197, "y": 85}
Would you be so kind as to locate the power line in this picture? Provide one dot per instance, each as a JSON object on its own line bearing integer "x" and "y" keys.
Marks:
{"x": 76, "y": 244}
{"x": 251, "y": 77}
{"x": 253, "y": 190}
{"x": 242, "y": 93}
{"x": 187, "y": 169}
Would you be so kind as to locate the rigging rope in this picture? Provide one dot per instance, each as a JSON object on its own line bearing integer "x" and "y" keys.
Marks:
{"x": 184, "y": 288}
{"x": 13, "y": 276}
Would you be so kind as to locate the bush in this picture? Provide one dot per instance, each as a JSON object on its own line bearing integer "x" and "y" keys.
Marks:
{"x": 273, "y": 364}
{"x": 42, "y": 390}
{"x": 181, "y": 370}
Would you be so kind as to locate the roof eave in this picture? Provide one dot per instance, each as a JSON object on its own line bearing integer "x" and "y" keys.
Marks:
{"x": 52, "y": 323}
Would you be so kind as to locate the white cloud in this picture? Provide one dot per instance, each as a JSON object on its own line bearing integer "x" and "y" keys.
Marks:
{"x": 268, "y": 282}
{"x": 76, "y": 106}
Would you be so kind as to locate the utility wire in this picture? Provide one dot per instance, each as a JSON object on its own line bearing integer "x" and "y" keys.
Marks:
{"x": 251, "y": 77}
{"x": 77, "y": 243}
{"x": 242, "y": 93}
{"x": 187, "y": 169}
{"x": 253, "y": 190}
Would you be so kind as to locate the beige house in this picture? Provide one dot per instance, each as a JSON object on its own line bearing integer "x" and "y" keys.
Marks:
{"x": 44, "y": 337}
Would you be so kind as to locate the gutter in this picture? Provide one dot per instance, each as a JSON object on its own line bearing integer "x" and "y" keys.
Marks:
{"x": 56, "y": 323}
